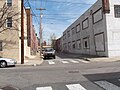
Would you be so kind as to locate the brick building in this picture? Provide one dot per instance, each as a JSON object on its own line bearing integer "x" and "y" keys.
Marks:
{"x": 10, "y": 31}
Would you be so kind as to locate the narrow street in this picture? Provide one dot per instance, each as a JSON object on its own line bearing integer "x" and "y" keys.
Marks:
{"x": 63, "y": 73}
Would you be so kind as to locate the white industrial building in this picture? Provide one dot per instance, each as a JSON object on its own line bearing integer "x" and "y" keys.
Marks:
{"x": 96, "y": 32}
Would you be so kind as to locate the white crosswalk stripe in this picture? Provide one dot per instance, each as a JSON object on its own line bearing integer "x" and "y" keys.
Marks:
{"x": 51, "y": 62}
{"x": 64, "y": 61}
{"x": 75, "y": 87}
{"x": 44, "y": 88}
{"x": 107, "y": 85}
{"x": 73, "y": 61}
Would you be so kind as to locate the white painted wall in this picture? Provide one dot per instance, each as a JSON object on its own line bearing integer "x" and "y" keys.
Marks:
{"x": 113, "y": 30}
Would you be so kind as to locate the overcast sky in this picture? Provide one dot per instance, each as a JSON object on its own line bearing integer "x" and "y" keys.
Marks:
{"x": 59, "y": 14}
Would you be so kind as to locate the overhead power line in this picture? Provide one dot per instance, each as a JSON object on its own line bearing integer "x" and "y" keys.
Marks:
{"x": 64, "y": 2}
{"x": 36, "y": 20}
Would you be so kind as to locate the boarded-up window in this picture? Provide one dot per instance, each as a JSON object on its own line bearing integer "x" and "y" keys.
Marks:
{"x": 78, "y": 28}
{"x": 85, "y": 24}
{"x": 97, "y": 16}
{"x": 73, "y": 30}
{"x": 99, "y": 42}
{"x": 0, "y": 45}
{"x": 68, "y": 33}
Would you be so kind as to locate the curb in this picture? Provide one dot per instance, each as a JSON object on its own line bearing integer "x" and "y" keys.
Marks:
{"x": 29, "y": 64}
{"x": 26, "y": 65}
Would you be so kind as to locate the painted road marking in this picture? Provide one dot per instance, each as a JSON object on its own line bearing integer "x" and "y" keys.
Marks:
{"x": 107, "y": 85}
{"x": 73, "y": 61}
{"x": 44, "y": 88}
{"x": 51, "y": 62}
{"x": 64, "y": 61}
{"x": 75, "y": 87}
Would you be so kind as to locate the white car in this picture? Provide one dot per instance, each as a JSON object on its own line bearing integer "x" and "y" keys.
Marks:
{"x": 7, "y": 62}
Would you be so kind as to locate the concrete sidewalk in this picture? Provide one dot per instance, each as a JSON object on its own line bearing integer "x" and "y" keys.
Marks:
{"x": 31, "y": 61}
{"x": 92, "y": 58}
{"x": 103, "y": 59}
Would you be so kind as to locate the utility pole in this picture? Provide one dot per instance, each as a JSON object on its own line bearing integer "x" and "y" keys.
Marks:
{"x": 41, "y": 29}
{"x": 22, "y": 32}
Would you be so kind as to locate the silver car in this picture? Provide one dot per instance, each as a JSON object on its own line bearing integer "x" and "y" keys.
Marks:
{"x": 49, "y": 52}
{"x": 7, "y": 62}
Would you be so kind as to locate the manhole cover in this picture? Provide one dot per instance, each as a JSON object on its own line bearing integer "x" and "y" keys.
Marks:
{"x": 73, "y": 71}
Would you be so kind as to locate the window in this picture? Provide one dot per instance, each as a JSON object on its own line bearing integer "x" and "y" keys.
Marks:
{"x": 69, "y": 46}
{"x": 9, "y": 2}
{"x": 73, "y": 45}
{"x": 9, "y": 22}
{"x": 100, "y": 42}
{"x": 68, "y": 33}
{"x": 78, "y": 28}
{"x": 78, "y": 44}
{"x": 73, "y": 30}
{"x": 97, "y": 16}
{"x": 86, "y": 42}
{"x": 85, "y": 24}
{"x": 0, "y": 45}
{"x": 117, "y": 11}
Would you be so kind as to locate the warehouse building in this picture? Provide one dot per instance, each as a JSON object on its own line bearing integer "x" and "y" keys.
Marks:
{"x": 96, "y": 32}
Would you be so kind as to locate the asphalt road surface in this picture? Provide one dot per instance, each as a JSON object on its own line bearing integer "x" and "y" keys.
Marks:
{"x": 62, "y": 74}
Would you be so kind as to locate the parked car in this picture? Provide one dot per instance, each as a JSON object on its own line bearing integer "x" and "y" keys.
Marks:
{"x": 49, "y": 52}
{"x": 7, "y": 62}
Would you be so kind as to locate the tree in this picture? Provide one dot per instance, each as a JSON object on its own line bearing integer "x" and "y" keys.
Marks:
{"x": 53, "y": 40}
{"x": 5, "y": 13}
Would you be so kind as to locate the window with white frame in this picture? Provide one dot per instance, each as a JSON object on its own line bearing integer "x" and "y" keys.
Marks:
{"x": 117, "y": 11}
{"x": 97, "y": 16}
{"x": 86, "y": 43}
{"x": 9, "y": 22}
{"x": 0, "y": 45}
{"x": 9, "y": 2}
{"x": 79, "y": 44}
{"x": 78, "y": 28}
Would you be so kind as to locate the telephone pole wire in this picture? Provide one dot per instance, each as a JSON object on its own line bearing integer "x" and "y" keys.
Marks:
{"x": 41, "y": 29}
